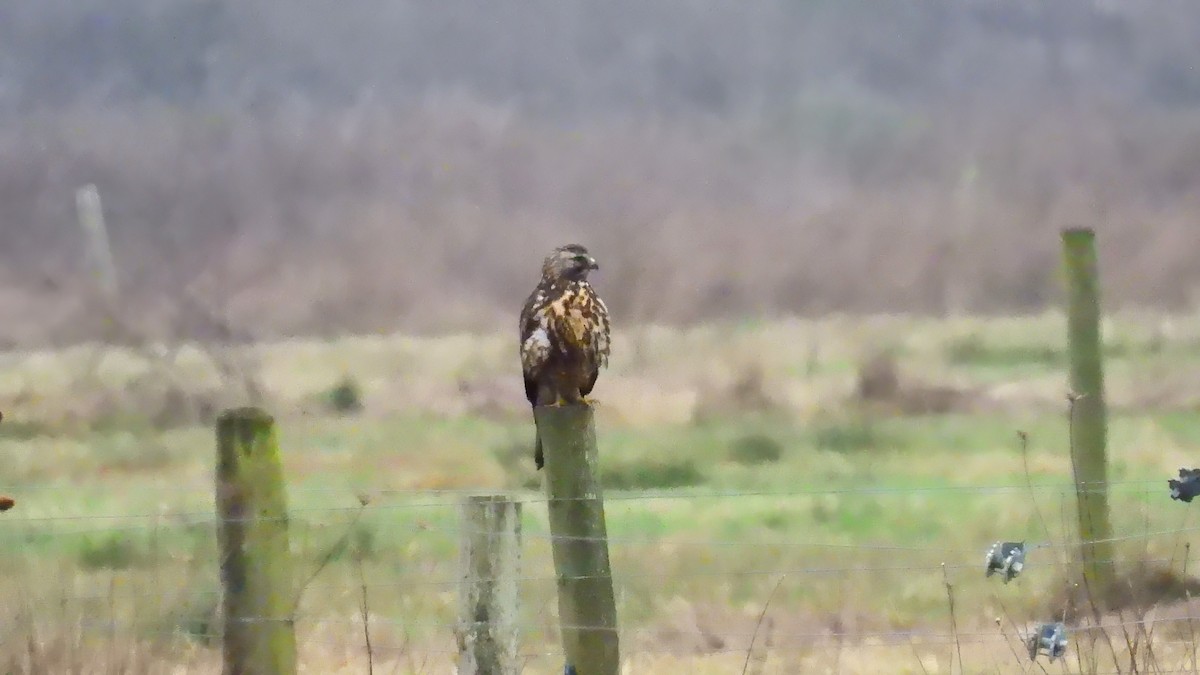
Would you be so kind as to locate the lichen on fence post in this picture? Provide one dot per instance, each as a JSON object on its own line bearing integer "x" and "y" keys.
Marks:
{"x": 490, "y": 553}
{"x": 1089, "y": 425}
{"x": 256, "y": 568}
{"x": 587, "y": 607}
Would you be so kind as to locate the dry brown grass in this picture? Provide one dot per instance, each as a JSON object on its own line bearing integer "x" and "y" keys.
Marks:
{"x": 658, "y": 375}
{"x": 1160, "y": 649}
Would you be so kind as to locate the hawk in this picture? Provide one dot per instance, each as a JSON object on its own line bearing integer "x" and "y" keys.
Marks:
{"x": 564, "y": 333}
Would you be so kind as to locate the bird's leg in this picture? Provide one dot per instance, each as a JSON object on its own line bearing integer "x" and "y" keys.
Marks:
{"x": 572, "y": 396}
{"x": 550, "y": 395}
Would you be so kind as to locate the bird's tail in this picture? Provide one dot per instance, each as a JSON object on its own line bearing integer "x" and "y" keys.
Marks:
{"x": 538, "y": 459}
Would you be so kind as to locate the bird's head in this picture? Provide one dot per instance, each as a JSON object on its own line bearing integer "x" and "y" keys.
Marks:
{"x": 569, "y": 262}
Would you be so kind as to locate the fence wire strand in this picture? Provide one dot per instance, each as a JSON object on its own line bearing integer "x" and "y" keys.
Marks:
{"x": 653, "y": 495}
{"x": 960, "y": 563}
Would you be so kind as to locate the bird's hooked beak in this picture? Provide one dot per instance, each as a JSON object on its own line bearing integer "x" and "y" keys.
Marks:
{"x": 592, "y": 264}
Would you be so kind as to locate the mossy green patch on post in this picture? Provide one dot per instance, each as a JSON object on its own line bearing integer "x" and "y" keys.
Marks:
{"x": 587, "y": 609}
{"x": 256, "y": 569}
{"x": 1089, "y": 414}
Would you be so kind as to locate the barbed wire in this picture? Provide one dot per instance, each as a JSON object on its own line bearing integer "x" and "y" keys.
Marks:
{"x": 411, "y": 648}
{"x": 779, "y": 639}
{"x": 366, "y": 498}
{"x": 956, "y": 565}
{"x": 530, "y": 496}
{"x": 405, "y": 579}
{"x": 862, "y": 635}
{"x": 181, "y": 521}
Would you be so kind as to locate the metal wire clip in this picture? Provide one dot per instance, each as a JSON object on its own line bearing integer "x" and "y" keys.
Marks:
{"x": 1007, "y": 558}
{"x": 1187, "y": 486}
{"x": 1050, "y": 639}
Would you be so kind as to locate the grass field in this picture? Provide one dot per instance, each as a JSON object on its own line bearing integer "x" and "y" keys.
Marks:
{"x": 742, "y": 464}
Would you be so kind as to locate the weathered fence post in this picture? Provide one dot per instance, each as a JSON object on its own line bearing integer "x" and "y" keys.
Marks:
{"x": 1089, "y": 416}
{"x": 491, "y": 564}
{"x": 259, "y": 636}
{"x": 91, "y": 220}
{"x": 587, "y": 608}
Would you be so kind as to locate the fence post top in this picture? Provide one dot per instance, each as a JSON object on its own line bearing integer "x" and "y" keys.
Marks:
{"x": 245, "y": 414}
{"x": 564, "y": 410}
{"x": 489, "y": 499}
{"x": 1078, "y": 232}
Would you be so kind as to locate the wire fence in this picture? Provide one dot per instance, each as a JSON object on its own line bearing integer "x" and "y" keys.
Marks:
{"x": 406, "y": 593}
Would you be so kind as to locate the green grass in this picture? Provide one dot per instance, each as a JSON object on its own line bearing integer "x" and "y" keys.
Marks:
{"x": 756, "y": 448}
{"x": 704, "y": 517}
{"x": 693, "y": 539}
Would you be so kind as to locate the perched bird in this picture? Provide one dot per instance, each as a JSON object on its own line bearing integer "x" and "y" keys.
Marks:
{"x": 564, "y": 333}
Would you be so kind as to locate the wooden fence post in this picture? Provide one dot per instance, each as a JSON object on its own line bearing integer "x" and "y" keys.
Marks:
{"x": 490, "y": 555}
{"x": 1089, "y": 415}
{"x": 91, "y": 220}
{"x": 587, "y": 608}
{"x": 259, "y": 635}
